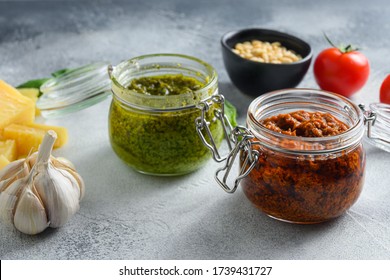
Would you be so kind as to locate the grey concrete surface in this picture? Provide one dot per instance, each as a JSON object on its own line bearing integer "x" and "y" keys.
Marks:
{"x": 126, "y": 215}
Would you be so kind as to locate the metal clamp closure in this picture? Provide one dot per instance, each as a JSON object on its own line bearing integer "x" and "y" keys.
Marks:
{"x": 238, "y": 139}
{"x": 241, "y": 136}
{"x": 203, "y": 125}
{"x": 370, "y": 117}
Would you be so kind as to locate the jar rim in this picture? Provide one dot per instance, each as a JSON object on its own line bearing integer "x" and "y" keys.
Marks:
{"x": 182, "y": 101}
{"x": 350, "y": 137}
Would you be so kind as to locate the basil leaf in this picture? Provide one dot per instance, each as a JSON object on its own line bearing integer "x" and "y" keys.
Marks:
{"x": 39, "y": 82}
{"x": 231, "y": 113}
{"x": 34, "y": 84}
{"x": 60, "y": 72}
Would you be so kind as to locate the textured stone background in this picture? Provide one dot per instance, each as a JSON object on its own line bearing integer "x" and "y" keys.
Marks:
{"x": 126, "y": 215}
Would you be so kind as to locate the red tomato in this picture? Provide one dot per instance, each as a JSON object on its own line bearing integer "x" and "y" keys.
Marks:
{"x": 341, "y": 72}
{"x": 384, "y": 96}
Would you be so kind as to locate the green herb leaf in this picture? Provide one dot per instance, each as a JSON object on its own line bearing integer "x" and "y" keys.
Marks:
{"x": 39, "y": 82}
{"x": 34, "y": 84}
{"x": 61, "y": 72}
{"x": 231, "y": 113}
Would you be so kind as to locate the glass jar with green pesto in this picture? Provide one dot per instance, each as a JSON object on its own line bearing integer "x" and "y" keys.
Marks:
{"x": 153, "y": 112}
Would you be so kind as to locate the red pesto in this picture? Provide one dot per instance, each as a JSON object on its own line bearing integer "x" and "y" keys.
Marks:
{"x": 306, "y": 188}
{"x": 306, "y": 124}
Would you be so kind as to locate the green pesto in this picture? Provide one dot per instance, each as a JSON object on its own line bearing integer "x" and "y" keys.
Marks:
{"x": 160, "y": 143}
{"x": 173, "y": 84}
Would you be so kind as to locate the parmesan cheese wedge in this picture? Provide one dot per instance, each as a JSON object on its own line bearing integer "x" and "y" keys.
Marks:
{"x": 3, "y": 161}
{"x": 14, "y": 107}
{"x": 28, "y": 137}
{"x": 8, "y": 149}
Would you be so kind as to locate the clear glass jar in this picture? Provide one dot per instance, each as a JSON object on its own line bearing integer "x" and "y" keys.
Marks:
{"x": 305, "y": 179}
{"x": 156, "y": 134}
{"x": 294, "y": 178}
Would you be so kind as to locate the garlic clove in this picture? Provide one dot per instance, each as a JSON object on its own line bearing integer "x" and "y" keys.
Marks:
{"x": 8, "y": 199}
{"x": 63, "y": 162}
{"x": 68, "y": 166}
{"x": 14, "y": 170}
{"x": 60, "y": 194}
{"x": 30, "y": 216}
{"x": 11, "y": 168}
{"x": 80, "y": 183}
{"x": 6, "y": 183}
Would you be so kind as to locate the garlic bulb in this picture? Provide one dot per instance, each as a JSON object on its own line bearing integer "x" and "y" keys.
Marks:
{"x": 40, "y": 191}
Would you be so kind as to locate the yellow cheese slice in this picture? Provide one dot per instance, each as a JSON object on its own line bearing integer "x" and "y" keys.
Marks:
{"x": 8, "y": 149}
{"x": 3, "y": 161}
{"x": 62, "y": 132}
{"x": 14, "y": 107}
{"x": 28, "y": 137}
{"x": 33, "y": 94}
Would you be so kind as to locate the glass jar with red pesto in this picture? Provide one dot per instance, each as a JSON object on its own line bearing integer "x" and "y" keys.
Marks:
{"x": 310, "y": 164}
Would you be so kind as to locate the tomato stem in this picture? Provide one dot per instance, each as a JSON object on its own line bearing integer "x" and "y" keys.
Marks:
{"x": 341, "y": 48}
{"x": 329, "y": 41}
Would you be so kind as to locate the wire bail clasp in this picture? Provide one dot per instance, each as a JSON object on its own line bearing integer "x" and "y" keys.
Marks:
{"x": 369, "y": 119}
{"x": 379, "y": 135}
{"x": 241, "y": 136}
{"x": 238, "y": 140}
{"x": 203, "y": 125}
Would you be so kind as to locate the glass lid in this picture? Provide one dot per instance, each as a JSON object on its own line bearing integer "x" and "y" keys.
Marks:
{"x": 74, "y": 90}
{"x": 377, "y": 120}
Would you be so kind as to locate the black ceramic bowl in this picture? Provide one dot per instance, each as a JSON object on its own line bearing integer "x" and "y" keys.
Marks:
{"x": 255, "y": 78}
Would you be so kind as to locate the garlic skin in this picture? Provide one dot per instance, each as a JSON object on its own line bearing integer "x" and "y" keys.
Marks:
{"x": 40, "y": 191}
{"x": 65, "y": 162}
{"x": 14, "y": 170}
{"x": 30, "y": 215}
{"x": 59, "y": 192}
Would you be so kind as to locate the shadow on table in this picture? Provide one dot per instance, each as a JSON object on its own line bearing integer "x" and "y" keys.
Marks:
{"x": 106, "y": 168}
{"x": 234, "y": 229}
